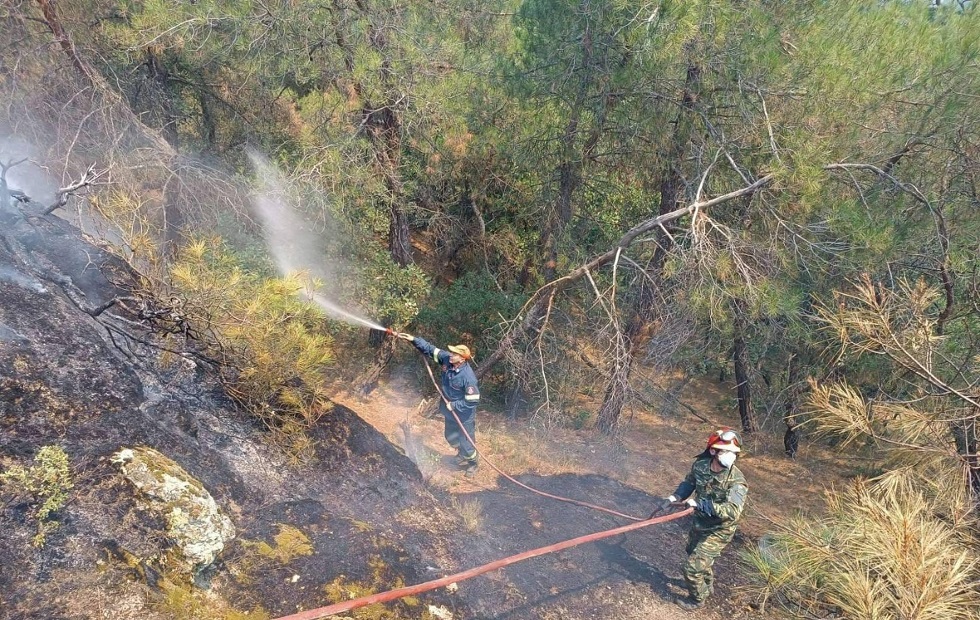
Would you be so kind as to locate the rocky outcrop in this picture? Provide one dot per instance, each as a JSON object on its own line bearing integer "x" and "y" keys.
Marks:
{"x": 195, "y": 524}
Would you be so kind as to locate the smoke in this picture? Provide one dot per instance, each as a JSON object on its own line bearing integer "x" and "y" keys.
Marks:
{"x": 26, "y": 177}
{"x": 294, "y": 244}
{"x": 290, "y": 239}
{"x": 16, "y": 278}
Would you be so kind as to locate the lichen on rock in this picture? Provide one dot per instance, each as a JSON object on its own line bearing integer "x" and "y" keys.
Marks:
{"x": 195, "y": 524}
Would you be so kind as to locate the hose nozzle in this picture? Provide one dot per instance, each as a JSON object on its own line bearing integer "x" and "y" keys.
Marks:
{"x": 390, "y": 332}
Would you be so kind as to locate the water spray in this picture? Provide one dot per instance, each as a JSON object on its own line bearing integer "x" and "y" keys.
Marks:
{"x": 291, "y": 241}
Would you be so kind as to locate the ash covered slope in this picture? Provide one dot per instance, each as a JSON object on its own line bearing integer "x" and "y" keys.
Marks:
{"x": 67, "y": 380}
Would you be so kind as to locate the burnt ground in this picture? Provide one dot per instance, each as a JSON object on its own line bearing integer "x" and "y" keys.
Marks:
{"x": 94, "y": 384}
{"x": 630, "y": 576}
{"x": 380, "y": 506}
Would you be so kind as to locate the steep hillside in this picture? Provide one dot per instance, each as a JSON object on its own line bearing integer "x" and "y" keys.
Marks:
{"x": 76, "y": 375}
{"x": 79, "y": 373}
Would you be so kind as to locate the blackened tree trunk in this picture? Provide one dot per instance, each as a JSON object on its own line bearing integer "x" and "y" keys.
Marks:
{"x": 741, "y": 362}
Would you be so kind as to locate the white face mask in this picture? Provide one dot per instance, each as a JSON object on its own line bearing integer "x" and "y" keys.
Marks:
{"x": 726, "y": 458}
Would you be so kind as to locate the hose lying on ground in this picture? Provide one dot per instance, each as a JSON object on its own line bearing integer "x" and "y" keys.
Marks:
{"x": 390, "y": 595}
{"x": 514, "y": 480}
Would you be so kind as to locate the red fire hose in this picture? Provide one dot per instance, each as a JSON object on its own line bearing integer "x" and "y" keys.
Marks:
{"x": 381, "y": 597}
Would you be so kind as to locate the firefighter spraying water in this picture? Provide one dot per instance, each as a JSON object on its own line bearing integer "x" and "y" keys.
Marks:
{"x": 460, "y": 396}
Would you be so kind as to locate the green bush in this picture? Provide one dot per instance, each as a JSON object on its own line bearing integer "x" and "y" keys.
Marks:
{"x": 47, "y": 482}
{"x": 273, "y": 345}
{"x": 469, "y": 311}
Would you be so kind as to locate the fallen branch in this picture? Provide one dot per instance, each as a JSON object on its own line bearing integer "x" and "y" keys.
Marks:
{"x": 63, "y": 194}
{"x": 533, "y": 310}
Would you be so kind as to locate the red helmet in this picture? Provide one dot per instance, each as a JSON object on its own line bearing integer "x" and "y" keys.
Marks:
{"x": 725, "y": 439}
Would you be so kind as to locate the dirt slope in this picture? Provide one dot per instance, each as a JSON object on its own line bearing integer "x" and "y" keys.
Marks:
{"x": 69, "y": 379}
{"x": 379, "y": 509}
{"x": 633, "y": 576}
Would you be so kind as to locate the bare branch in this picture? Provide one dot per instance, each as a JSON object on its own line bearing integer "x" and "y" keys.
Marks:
{"x": 63, "y": 194}
{"x": 905, "y": 187}
{"x": 533, "y": 310}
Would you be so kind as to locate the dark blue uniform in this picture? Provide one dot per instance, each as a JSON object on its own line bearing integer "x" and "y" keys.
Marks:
{"x": 460, "y": 389}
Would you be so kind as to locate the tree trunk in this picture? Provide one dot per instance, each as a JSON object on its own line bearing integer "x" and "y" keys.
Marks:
{"x": 173, "y": 223}
{"x": 617, "y": 393}
{"x": 399, "y": 236}
{"x": 49, "y": 9}
{"x": 368, "y": 380}
{"x": 618, "y": 387}
{"x": 965, "y": 435}
{"x": 741, "y": 362}
{"x": 381, "y": 121}
{"x": 791, "y": 438}
{"x": 159, "y": 76}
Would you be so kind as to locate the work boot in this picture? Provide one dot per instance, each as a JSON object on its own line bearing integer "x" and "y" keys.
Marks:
{"x": 464, "y": 461}
{"x": 688, "y": 603}
{"x": 469, "y": 467}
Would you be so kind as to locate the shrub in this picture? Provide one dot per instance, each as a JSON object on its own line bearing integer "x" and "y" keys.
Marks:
{"x": 470, "y": 310}
{"x": 272, "y": 345}
{"x": 885, "y": 550}
{"x": 47, "y": 482}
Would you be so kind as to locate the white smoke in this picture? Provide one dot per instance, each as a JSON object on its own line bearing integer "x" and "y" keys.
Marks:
{"x": 27, "y": 176}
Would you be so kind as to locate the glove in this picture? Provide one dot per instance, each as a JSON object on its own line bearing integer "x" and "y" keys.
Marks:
{"x": 408, "y": 337}
{"x": 661, "y": 505}
{"x": 705, "y": 506}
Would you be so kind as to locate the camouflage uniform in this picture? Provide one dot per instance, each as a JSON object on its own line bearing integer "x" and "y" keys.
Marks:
{"x": 721, "y": 498}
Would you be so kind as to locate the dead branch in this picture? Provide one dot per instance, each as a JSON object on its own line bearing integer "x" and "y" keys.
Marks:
{"x": 63, "y": 194}
{"x": 533, "y": 311}
{"x": 908, "y": 188}
{"x": 4, "y": 189}
{"x": 64, "y": 40}
{"x": 4, "y": 167}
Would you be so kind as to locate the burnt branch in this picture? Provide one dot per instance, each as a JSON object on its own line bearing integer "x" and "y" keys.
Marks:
{"x": 62, "y": 195}
{"x": 4, "y": 189}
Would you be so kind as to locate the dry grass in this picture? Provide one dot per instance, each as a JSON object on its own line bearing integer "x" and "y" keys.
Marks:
{"x": 886, "y": 549}
{"x": 470, "y": 511}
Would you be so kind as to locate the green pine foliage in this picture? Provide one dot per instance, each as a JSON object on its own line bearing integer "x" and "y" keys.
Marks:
{"x": 469, "y": 311}
{"x": 515, "y": 140}
{"x": 274, "y": 346}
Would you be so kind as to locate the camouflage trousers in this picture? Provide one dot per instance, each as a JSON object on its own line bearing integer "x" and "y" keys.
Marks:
{"x": 703, "y": 548}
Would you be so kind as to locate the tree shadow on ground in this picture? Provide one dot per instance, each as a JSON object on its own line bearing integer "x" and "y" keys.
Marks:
{"x": 579, "y": 582}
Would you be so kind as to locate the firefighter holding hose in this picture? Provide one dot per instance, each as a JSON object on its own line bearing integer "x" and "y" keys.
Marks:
{"x": 716, "y": 489}
{"x": 460, "y": 395}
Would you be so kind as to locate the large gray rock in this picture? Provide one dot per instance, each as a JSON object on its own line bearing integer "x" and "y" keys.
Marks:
{"x": 195, "y": 524}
